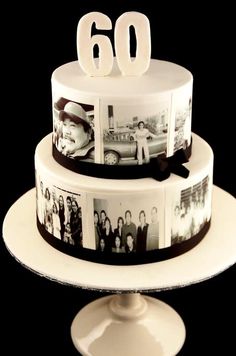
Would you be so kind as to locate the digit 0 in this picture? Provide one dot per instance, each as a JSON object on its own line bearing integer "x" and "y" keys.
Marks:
{"x": 140, "y": 63}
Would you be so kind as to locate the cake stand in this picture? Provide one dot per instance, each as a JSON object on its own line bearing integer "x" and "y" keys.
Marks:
{"x": 125, "y": 323}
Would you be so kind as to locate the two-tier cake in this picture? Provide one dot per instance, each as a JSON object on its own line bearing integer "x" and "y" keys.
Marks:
{"x": 121, "y": 179}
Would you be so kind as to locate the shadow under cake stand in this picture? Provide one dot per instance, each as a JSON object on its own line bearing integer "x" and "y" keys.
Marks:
{"x": 126, "y": 323}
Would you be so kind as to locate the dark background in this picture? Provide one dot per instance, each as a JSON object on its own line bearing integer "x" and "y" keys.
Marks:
{"x": 36, "y": 39}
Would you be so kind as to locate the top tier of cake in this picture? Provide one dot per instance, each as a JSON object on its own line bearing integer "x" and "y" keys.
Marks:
{"x": 119, "y": 119}
{"x": 162, "y": 77}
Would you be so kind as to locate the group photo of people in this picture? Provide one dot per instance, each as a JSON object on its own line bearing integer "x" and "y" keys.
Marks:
{"x": 73, "y": 129}
{"x": 191, "y": 210}
{"x": 60, "y": 213}
{"x": 119, "y": 227}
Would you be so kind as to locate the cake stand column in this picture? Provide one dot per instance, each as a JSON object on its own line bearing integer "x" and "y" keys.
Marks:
{"x": 128, "y": 325}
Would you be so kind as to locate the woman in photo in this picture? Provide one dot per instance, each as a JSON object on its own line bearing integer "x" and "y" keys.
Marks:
{"x": 68, "y": 209}
{"x": 102, "y": 221}
{"x": 118, "y": 230}
{"x": 48, "y": 210}
{"x": 96, "y": 229}
{"x": 54, "y": 198}
{"x": 141, "y": 135}
{"x": 141, "y": 239}
{"x": 118, "y": 247}
{"x": 61, "y": 213}
{"x": 76, "y": 224}
{"x": 107, "y": 234}
{"x": 56, "y": 222}
{"x": 153, "y": 231}
{"x": 102, "y": 245}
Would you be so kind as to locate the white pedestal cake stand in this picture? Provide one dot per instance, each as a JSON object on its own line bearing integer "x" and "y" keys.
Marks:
{"x": 126, "y": 323}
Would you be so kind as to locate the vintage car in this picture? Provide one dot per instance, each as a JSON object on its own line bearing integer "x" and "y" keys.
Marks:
{"x": 122, "y": 147}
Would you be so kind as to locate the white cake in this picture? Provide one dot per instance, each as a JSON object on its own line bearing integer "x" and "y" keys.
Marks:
{"x": 120, "y": 181}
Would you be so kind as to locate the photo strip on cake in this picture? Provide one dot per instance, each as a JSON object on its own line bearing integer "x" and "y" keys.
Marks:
{"x": 128, "y": 224}
{"x": 191, "y": 210}
{"x": 60, "y": 212}
{"x": 132, "y": 134}
{"x": 74, "y": 129}
{"x": 183, "y": 118}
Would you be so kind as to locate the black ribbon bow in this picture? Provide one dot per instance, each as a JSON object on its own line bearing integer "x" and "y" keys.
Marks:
{"x": 161, "y": 166}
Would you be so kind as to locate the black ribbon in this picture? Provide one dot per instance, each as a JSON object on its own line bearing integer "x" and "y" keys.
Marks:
{"x": 159, "y": 167}
{"x": 112, "y": 258}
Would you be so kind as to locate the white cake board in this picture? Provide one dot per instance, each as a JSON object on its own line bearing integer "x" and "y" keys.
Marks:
{"x": 126, "y": 324}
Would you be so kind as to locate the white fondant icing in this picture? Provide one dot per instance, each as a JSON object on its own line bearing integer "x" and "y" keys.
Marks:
{"x": 161, "y": 77}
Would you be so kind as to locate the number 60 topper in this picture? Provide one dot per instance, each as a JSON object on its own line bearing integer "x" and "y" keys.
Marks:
{"x": 127, "y": 65}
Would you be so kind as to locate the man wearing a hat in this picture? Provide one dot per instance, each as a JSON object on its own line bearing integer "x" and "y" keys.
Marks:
{"x": 76, "y": 131}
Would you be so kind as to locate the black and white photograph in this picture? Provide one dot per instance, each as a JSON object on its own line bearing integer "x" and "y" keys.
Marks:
{"x": 60, "y": 212}
{"x": 73, "y": 129}
{"x": 190, "y": 211}
{"x": 132, "y": 134}
{"x": 129, "y": 225}
{"x": 183, "y": 114}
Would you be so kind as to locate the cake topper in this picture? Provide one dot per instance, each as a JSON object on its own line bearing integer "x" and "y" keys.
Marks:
{"x": 103, "y": 66}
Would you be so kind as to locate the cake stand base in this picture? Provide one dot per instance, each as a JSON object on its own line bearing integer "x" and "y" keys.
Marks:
{"x": 127, "y": 325}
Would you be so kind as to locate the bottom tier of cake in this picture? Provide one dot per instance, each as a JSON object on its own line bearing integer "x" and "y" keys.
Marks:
{"x": 123, "y": 221}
